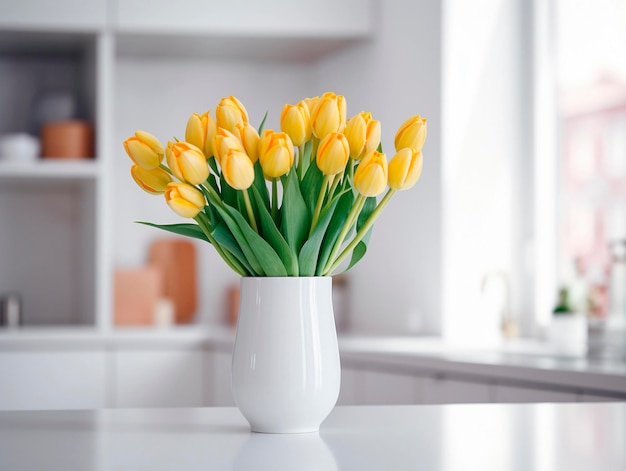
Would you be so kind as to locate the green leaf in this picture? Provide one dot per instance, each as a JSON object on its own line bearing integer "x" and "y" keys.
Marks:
{"x": 224, "y": 237}
{"x": 212, "y": 215}
{"x": 361, "y": 247}
{"x": 310, "y": 251}
{"x": 187, "y": 230}
{"x": 241, "y": 205}
{"x": 241, "y": 239}
{"x": 311, "y": 184}
{"x": 296, "y": 219}
{"x": 269, "y": 262}
{"x": 274, "y": 237}
{"x": 228, "y": 193}
{"x": 259, "y": 184}
{"x": 306, "y": 156}
{"x": 359, "y": 251}
{"x": 212, "y": 181}
{"x": 208, "y": 208}
{"x": 368, "y": 209}
{"x": 262, "y": 125}
{"x": 334, "y": 228}
{"x": 213, "y": 165}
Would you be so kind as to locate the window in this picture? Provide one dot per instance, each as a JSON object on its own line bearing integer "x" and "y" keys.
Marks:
{"x": 590, "y": 51}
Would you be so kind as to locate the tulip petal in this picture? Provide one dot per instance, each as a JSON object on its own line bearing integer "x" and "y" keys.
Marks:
{"x": 142, "y": 154}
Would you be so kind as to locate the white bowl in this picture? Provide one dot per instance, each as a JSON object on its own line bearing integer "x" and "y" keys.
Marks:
{"x": 19, "y": 147}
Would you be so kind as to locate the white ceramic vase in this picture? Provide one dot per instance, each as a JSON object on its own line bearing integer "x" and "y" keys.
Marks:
{"x": 286, "y": 371}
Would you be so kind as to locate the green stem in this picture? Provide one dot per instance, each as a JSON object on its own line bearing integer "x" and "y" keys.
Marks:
{"x": 251, "y": 218}
{"x": 300, "y": 159}
{"x": 274, "y": 198}
{"x": 350, "y": 220}
{"x": 164, "y": 167}
{"x": 351, "y": 171}
{"x": 320, "y": 200}
{"x": 336, "y": 181}
{"x": 211, "y": 191}
{"x": 366, "y": 227}
{"x": 211, "y": 195}
{"x": 315, "y": 142}
{"x": 232, "y": 262}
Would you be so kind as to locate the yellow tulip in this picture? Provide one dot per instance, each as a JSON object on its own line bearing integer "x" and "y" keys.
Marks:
{"x": 275, "y": 153}
{"x": 152, "y": 181}
{"x": 230, "y": 112}
{"x": 200, "y": 132}
{"x": 411, "y": 134}
{"x": 370, "y": 177}
{"x": 333, "y": 153}
{"x": 249, "y": 138}
{"x": 225, "y": 141}
{"x": 237, "y": 169}
{"x": 309, "y": 103}
{"x": 144, "y": 149}
{"x": 295, "y": 120}
{"x": 405, "y": 169}
{"x": 184, "y": 199}
{"x": 329, "y": 115}
{"x": 187, "y": 162}
{"x": 363, "y": 134}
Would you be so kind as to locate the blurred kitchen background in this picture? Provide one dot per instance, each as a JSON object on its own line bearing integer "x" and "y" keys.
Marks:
{"x": 517, "y": 228}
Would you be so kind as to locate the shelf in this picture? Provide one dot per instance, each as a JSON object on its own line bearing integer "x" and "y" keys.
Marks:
{"x": 37, "y": 43}
{"x": 227, "y": 48}
{"x": 86, "y": 337}
{"x": 246, "y": 30}
{"x": 82, "y": 169}
{"x": 63, "y": 15}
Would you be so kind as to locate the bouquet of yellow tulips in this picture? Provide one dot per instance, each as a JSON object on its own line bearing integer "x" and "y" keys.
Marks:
{"x": 226, "y": 176}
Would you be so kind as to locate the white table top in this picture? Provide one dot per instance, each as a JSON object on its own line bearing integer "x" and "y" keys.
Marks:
{"x": 487, "y": 437}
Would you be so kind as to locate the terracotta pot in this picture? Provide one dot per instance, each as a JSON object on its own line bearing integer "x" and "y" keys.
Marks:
{"x": 67, "y": 139}
{"x": 176, "y": 258}
{"x": 137, "y": 292}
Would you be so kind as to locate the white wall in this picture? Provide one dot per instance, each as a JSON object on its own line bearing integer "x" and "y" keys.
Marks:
{"x": 397, "y": 286}
{"x": 483, "y": 124}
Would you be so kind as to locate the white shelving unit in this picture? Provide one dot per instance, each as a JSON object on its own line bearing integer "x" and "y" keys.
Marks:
{"x": 59, "y": 217}
{"x": 48, "y": 240}
{"x": 79, "y": 170}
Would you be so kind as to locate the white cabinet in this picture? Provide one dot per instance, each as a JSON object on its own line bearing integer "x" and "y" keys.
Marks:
{"x": 52, "y": 380}
{"x": 158, "y": 378}
{"x": 247, "y": 29}
{"x": 351, "y": 385}
{"x": 362, "y": 385}
{"x": 387, "y": 388}
{"x": 517, "y": 394}
{"x": 588, "y": 397}
{"x": 451, "y": 391}
{"x": 366, "y": 386}
{"x": 247, "y": 18}
{"x": 79, "y": 15}
{"x": 221, "y": 393}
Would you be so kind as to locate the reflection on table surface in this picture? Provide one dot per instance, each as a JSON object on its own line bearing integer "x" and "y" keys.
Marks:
{"x": 455, "y": 437}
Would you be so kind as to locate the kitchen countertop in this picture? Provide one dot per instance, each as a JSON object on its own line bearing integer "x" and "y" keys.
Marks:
{"x": 532, "y": 363}
{"x": 501, "y": 437}
{"x": 524, "y": 361}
